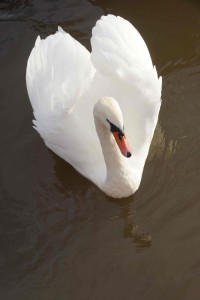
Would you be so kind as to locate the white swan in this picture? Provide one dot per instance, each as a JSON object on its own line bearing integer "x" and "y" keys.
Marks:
{"x": 84, "y": 102}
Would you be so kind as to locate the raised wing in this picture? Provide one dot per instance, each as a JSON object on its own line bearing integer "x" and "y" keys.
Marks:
{"x": 58, "y": 72}
{"x": 119, "y": 50}
{"x": 125, "y": 72}
{"x": 59, "y": 75}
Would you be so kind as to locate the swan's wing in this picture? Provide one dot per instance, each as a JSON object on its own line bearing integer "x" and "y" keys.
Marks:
{"x": 125, "y": 71}
{"x": 59, "y": 72}
{"x": 119, "y": 51}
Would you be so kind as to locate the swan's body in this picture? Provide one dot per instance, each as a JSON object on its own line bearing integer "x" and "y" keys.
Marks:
{"x": 70, "y": 91}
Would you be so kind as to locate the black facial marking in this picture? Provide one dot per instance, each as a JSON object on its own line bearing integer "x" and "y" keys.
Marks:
{"x": 114, "y": 128}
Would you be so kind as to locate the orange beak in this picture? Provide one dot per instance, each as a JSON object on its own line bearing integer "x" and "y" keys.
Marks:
{"x": 122, "y": 144}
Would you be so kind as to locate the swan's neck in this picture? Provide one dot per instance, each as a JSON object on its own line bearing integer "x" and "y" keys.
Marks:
{"x": 119, "y": 181}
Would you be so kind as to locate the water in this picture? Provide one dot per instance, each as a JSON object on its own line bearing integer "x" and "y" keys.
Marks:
{"x": 62, "y": 238}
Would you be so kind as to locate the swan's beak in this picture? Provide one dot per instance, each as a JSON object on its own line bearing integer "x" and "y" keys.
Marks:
{"x": 122, "y": 144}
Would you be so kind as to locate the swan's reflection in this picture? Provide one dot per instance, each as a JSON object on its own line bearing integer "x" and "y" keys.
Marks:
{"x": 140, "y": 240}
{"x": 86, "y": 198}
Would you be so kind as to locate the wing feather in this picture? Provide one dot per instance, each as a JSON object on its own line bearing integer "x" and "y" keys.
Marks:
{"x": 58, "y": 72}
{"x": 118, "y": 50}
{"x": 125, "y": 72}
{"x": 59, "y": 75}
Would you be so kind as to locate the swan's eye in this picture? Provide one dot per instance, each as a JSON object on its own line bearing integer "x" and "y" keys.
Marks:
{"x": 114, "y": 128}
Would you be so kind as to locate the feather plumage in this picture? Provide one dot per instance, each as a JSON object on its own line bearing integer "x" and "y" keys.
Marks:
{"x": 64, "y": 82}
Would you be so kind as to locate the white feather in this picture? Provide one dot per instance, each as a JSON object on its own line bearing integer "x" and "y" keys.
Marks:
{"x": 64, "y": 82}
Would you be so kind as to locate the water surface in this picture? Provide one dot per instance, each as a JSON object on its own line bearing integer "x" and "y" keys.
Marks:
{"x": 60, "y": 236}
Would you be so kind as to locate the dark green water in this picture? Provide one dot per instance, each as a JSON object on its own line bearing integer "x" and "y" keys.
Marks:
{"x": 60, "y": 237}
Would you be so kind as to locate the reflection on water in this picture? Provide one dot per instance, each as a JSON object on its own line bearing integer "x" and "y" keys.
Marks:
{"x": 61, "y": 237}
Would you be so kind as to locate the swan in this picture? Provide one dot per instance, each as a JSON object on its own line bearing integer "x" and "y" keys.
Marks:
{"x": 98, "y": 110}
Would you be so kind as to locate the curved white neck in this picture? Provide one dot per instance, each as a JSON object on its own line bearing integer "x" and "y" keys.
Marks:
{"x": 119, "y": 180}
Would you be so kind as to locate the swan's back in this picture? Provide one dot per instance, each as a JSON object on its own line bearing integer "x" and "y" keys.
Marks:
{"x": 64, "y": 82}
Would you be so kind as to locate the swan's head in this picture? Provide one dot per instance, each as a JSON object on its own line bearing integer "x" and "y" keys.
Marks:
{"x": 108, "y": 113}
